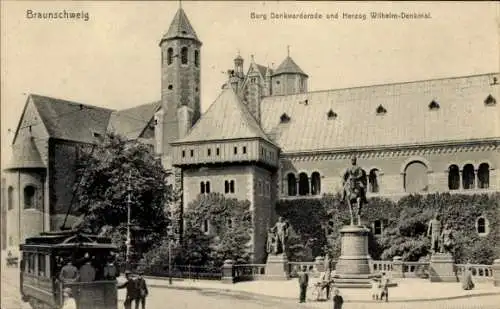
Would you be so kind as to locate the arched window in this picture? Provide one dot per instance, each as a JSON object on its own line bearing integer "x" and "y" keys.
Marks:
{"x": 373, "y": 181}
{"x": 292, "y": 184}
{"x": 184, "y": 55}
{"x": 10, "y": 198}
{"x": 229, "y": 223}
{"x": 170, "y": 55}
{"x": 303, "y": 184}
{"x": 415, "y": 177}
{"x": 483, "y": 176}
{"x": 29, "y": 197}
{"x": 482, "y": 226}
{"x": 377, "y": 227}
{"x": 468, "y": 176}
{"x": 196, "y": 58}
{"x": 453, "y": 177}
{"x": 207, "y": 187}
{"x": 315, "y": 183}
{"x": 205, "y": 226}
{"x": 231, "y": 186}
{"x": 202, "y": 187}
{"x": 226, "y": 186}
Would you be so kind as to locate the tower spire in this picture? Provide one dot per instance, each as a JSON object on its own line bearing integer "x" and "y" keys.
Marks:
{"x": 180, "y": 4}
{"x": 288, "y": 50}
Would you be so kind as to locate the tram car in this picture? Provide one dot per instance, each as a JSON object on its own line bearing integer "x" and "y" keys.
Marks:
{"x": 45, "y": 255}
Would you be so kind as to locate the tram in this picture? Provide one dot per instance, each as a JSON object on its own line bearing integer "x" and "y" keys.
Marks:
{"x": 43, "y": 257}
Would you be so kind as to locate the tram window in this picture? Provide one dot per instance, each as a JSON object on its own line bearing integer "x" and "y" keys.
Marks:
{"x": 41, "y": 265}
{"x": 31, "y": 263}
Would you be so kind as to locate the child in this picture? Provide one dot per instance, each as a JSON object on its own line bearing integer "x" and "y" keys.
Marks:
{"x": 376, "y": 289}
{"x": 68, "y": 301}
{"x": 337, "y": 300}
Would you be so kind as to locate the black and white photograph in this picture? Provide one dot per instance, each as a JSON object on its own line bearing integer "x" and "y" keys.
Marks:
{"x": 250, "y": 154}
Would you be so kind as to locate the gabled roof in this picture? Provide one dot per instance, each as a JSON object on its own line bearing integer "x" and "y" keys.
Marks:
{"x": 131, "y": 122}
{"x": 226, "y": 119}
{"x": 289, "y": 66}
{"x": 462, "y": 115}
{"x": 71, "y": 120}
{"x": 180, "y": 27}
{"x": 25, "y": 155}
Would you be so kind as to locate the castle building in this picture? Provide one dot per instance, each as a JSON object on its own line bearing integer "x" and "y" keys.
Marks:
{"x": 265, "y": 138}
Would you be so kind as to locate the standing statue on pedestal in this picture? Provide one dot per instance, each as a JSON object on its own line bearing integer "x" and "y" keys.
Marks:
{"x": 355, "y": 184}
{"x": 277, "y": 237}
{"x": 434, "y": 231}
{"x": 447, "y": 241}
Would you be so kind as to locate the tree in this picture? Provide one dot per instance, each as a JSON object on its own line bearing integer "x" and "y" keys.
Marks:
{"x": 230, "y": 227}
{"x": 113, "y": 171}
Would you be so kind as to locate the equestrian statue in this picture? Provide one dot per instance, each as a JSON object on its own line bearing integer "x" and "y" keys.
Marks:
{"x": 354, "y": 192}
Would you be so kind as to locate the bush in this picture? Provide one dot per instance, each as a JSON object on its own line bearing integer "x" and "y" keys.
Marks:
{"x": 405, "y": 224}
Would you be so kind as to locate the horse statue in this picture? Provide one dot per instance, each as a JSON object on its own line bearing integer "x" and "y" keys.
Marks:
{"x": 354, "y": 189}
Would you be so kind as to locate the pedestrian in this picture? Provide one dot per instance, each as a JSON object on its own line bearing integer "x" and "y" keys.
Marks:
{"x": 69, "y": 273}
{"x": 326, "y": 281}
{"x": 338, "y": 301}
{"x": 132, "y": 292}
{"x": 143, "y": 291}
{"x": 375, "y": 289}
{"x": 87, "y": 271}
{"x": 110, "y": 270}
{"x": 384, "y": 283}
{"x": 467, "y": 283}
{"x": 68, "y": 301}
{"x": 303, "y": 282}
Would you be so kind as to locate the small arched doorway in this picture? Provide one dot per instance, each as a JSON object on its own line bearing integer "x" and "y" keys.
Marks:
{"x": 415, "y": 177}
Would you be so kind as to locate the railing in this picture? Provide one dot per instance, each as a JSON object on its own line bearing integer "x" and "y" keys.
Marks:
{"x": 480, "y": 273}
{"x": 295, "y": 267}
{"x": 181, "y": 271}
{"x": 381, "y": 266}
{"x": 248, "y": 272}
{"x": 416, "y": 269}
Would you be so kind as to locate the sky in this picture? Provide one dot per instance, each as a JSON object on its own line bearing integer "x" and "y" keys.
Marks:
{"x": 113, "y": 59}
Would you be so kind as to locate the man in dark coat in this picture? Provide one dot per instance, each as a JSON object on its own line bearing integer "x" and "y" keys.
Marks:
{"x": 143, "y": 291}
{"x": 132, "y": 291}
{"x": 303, "y": 282}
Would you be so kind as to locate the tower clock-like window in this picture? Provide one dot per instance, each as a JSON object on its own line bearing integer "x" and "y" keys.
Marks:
{"x": 184, "y": 55}
{"x": 170, "y": 55}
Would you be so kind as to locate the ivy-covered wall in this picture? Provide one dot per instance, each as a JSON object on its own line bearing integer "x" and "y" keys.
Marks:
{"x": 317, "y": 223}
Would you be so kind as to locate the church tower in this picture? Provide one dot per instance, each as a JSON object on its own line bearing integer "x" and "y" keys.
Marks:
{"x": 180, "y": 83}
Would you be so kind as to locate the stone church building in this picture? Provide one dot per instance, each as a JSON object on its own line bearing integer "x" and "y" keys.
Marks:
{"x": 265, "y": 138}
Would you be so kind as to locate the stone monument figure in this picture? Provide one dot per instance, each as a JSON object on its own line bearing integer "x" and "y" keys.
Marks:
{"x": 354, "y": 189}
{"x": 434, "y": 231}
{"x": 271, "y": 242}
{"x": 280, "y": 231}
{"x": 447, "y": 240}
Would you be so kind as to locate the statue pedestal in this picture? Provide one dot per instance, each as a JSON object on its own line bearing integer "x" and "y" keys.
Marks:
{"x": 353, "y": 266}
{"x": 441, "y": 268}
{"x": 277, "y": 267}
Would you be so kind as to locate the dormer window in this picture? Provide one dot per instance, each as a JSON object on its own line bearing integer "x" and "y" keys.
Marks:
{"x": 331, "y": 114}
{"x": 490, "y": 100}
{"x": 433, "y": 105}
{"x": 495, "y": 81}
{"x": 95, "y": 134}
{"x": 381, "y": 110}
{"x": 284, "y": 118}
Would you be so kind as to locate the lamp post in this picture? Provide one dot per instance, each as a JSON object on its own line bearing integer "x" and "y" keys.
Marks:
{"x": 170, "y": 260}
{"x": 128, "y": 242}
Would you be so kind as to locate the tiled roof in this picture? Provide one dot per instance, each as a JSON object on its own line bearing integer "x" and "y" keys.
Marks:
{"x": 70, "y": 120}
{"x": 227, "y": 118}
{"x": 180, "y": 27}
{"x": 408, "y": 118}
{"x": 131, "y": 122}
{"x": 289, "y": 66}
{"x": 25, "y": 155}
